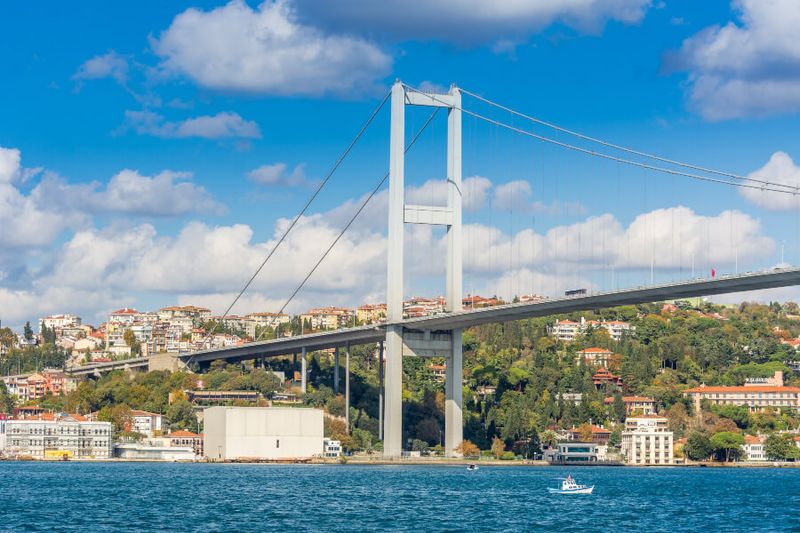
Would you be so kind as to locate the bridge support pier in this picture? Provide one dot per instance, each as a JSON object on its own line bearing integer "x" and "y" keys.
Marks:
{"x": 347, "y": 386}
{"x": 453, "y": 418}
{"x": 336, "y": 370}
{"x": 393, "y": 409}
{"x": 303, "y": 370}
{"x": 380, "y": 391}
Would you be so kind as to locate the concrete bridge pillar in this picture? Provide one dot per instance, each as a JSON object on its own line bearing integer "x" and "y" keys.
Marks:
{"x": 336, "y": 370}
{"x": 303, "y": 371}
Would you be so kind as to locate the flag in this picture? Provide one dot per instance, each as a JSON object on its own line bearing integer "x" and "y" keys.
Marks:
{"x": 713, "y": 272}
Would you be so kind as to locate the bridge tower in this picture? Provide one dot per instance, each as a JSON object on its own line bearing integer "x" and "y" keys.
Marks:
{"x": 402, "y": 341}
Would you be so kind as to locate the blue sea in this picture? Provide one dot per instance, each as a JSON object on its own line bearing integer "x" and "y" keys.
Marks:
{"x": 104, "y": 497}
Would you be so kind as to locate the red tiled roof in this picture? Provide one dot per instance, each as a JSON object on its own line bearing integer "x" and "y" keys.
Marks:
{"x": 183, "y": 433}
{"x": 126, "y": 311}
{"x": 595, "y": 350}
{"x": 752, "y": 439}
{"x": 749, "y": 389}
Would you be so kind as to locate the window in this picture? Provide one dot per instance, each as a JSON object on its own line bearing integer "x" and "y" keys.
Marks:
{"x": 277, "y": 443}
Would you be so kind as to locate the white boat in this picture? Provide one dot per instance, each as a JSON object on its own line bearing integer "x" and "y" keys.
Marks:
{"x": 472, "y": 468}
{"x": 569, "y": 486}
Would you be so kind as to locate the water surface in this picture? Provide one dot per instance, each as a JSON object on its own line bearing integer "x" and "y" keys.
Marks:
{"x": 104, "y": 497}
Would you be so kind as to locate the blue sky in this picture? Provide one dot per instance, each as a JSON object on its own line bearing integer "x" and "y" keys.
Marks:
{"x": 151, "y": 151}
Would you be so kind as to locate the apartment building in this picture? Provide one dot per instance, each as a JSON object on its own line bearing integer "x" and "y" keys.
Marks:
{"x": 647, "y": 440}
{"x": 569, "y": 330}
{"x": 640, "y": 405}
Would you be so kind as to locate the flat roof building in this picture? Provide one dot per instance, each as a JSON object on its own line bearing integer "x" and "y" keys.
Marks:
{"x": 262, "y": 433}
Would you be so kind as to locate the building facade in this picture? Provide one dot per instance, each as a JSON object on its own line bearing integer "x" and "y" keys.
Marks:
{"x": 647, "y": 440}
{"x": 267, "y": 433}
{"x": 58, "y": 436}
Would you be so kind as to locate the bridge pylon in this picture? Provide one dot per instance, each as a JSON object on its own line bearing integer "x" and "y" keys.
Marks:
{"x": 402, "y": 341}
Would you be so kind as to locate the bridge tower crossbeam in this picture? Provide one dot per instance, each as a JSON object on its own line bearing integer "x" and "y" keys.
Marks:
{"x": 399, "y": 340}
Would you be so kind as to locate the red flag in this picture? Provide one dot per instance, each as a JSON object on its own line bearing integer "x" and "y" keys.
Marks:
{"x": 713, "y": 272}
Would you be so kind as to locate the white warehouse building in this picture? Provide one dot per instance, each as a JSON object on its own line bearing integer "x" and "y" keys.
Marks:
{"x": 232, "y": 433}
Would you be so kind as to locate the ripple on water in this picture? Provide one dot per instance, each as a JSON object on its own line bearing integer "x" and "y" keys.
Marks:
{"x": 104, "y": 497}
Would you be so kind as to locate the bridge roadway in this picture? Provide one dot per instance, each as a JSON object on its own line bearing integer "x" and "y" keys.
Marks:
{"x": 502, "y": 313}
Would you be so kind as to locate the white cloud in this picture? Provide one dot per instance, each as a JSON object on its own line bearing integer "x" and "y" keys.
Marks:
{"x": 128, "y": 192}
{"x": 750, "y": 68}
{"x": 108, "y": 65}
{"x": 779, "y": 169}
{"x": 266, "y": 51}
{"x": 279, "y": 174}
{"x": 517, "y": 196}
{"x": 224, "y": 125}
{"x": 468, "y": 21}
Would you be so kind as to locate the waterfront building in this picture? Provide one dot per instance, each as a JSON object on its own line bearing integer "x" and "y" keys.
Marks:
{"x": 573, "y": 452}
{"x": 331, "y": 449}
{"x": 647, "y": 440}
{"x": 187, "y": 439}
{"x": 754, "y": 449}
{"x": 640, "y": 405}
{"x": 58, "y": 436}
{"x": 148, "y": 452}
{"x": 3, "y": 419}
{"x": 267, "y": 433}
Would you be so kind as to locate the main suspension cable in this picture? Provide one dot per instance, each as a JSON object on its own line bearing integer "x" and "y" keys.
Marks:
{"x": 300, "y": 214}
{"x": 625, "y": 148}
{"x": 611, "y": 157}
{"x": 352, "y": 219}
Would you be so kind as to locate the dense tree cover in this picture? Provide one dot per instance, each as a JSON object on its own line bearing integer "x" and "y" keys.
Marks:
{"x": 520, "y": 384}
{"x": 32, "y": 358}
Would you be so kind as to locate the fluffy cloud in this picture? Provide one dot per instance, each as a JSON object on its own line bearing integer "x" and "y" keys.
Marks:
{"x": 517, "y": 196}
{"x": 23, "y": 221}
{"x": 266, "y": 51}
{"x": 278, "y": 174}
{"x": 468, "y": 21}
{"x": 108, "y": 65}
{"x": 9, "y": 164}
{"x": 750, "y": 68}
{"x": 223, "y": 125}
{"x": 669, "y": 238}
{"x": 128, "y": 192}
{"x": 779, "y": 169}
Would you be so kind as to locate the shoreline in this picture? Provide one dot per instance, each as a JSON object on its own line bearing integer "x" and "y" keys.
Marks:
{"x": 438, "y": 462}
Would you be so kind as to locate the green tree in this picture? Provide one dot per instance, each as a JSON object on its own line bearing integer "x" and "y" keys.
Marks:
{"x": 727, "y": 444}
{"x": 698, "y": 446}
{"x": 181, "y": 415}
{"x": 779, "y": 447}
{"x": 6, "y": 400}
{"x": 27, "y": 332}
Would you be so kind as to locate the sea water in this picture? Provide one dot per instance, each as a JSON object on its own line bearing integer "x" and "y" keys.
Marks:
{"x": 104, "y": 497}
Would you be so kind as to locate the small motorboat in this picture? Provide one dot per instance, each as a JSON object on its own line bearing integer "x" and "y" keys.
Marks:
{"x": 472, "y": 468}
{"x": 570, "y": 486}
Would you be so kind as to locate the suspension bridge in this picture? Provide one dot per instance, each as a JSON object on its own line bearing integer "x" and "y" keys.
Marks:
{"x": 441, "y": 335}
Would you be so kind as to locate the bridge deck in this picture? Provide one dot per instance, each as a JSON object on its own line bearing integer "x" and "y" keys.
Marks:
{"x": 509, "y": 312}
